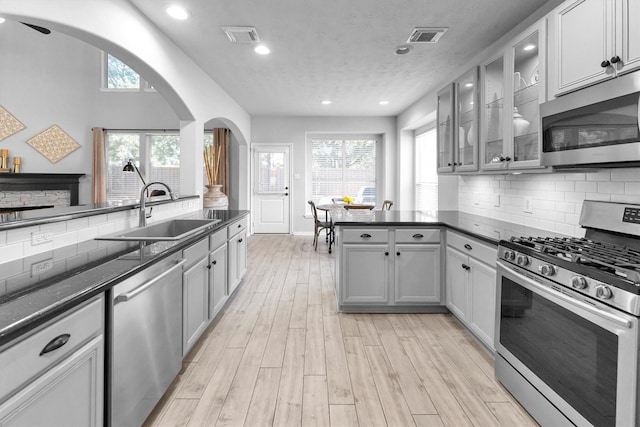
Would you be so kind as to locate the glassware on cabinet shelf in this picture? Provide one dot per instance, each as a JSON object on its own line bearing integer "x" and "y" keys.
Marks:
{"x": 494, "y": 107}
{"x": 466, "y": 98}
{"x": 525, "y": 99}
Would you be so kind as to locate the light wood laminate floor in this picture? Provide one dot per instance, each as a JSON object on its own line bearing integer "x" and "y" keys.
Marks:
{"x": 281, "y": 355}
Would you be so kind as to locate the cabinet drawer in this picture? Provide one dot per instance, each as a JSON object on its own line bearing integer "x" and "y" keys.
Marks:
{"x": 236, "y": 227}
{"x": 472, "y": 247}
{"x": 195, "y": 252}
{"x": 25, "y": 360}
{"x": 217, "y": 239}
{"x": 418, "y": 235}
{"x": 365, "y": 235}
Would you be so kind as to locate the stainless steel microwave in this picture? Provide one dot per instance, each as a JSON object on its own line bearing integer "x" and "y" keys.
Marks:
{"x": 594, "y": 126}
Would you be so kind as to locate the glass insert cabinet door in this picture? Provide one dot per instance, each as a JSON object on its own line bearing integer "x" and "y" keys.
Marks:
{"x": 445, "y": 121}
{"x": 493, "y": 113}
{"x": 466, "y": 130}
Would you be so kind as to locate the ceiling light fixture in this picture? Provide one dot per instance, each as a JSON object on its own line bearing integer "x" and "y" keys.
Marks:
{"x": 383, "y": 102}
{"x": 326, "y": 102}
{"x": 403, "y": 50}
{"x": 2, "y": 19}
{"x": 468, "y": 85}
{"x": 177, "y": 12}
{"x": 530, "y": 46}
{"x": 262, "y": 50}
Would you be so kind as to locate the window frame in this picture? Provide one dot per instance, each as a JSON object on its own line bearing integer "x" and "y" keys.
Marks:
{"x": 145, "y": 151}
{"x": 378, "y": 137}
{"x": 145, "y": 86}
{"x": 429, "y": 128}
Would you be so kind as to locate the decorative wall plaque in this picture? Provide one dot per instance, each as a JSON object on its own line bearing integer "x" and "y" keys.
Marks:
{"x": 8, "y": 124}
{"x": 53, "y": 143}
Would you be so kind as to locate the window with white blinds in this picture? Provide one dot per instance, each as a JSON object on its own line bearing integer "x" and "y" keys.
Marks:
{"x": 157, "y": 156}
{"x": 426, "y": 172}
{"x": 343, "y": 166}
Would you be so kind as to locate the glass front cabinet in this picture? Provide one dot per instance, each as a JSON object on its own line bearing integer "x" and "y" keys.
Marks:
{"x": 458, "y": 125}
{"x": 513, "y": 87}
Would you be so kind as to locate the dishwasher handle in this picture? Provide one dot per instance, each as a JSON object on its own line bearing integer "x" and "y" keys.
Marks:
{"x": 137, "y": 291}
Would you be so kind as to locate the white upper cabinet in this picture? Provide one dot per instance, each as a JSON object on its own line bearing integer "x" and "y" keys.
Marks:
{"x": 591, "y": 41}
{"x": 458, "y": 125}
{"x": 513, "y": 87}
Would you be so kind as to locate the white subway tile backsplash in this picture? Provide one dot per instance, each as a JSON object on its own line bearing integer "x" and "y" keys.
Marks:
{"x": 611, "y": 187}
{"x": 586, "y": 187}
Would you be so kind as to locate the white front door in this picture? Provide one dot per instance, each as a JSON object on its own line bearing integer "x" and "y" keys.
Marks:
{"x": 271, "y": 189}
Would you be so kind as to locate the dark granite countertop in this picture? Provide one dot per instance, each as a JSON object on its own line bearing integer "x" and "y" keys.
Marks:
{"x": 487, "y": 229}
{"x": 28, "y": 218}
{"x": 40, "y": 287}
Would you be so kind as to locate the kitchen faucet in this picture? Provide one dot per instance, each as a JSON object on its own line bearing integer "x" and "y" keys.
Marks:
{"x": 143, "y": 214}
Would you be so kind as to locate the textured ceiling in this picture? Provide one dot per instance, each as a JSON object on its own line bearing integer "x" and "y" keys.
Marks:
{"x": 342, "y": 50}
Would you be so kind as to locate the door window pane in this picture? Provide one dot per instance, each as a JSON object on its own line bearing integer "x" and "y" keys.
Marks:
{"x": 271, "y": 172}
{"x": 426, "y": 172}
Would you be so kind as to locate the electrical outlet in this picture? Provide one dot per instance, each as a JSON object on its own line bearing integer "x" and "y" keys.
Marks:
{"x": 528, "y": 207}
{"x": 41, "y": 267}
{"x": 40, "y": 237}
{"x": 476, "y": 198}
{"x": 496, "y": 200}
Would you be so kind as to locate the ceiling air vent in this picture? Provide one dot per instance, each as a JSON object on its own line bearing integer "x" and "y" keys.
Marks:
{"x": 241, "y": 34}
{"x": 426, "y": 35}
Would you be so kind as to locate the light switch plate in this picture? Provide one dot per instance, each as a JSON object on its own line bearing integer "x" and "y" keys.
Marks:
{"x": 528, "y": 207}
{"x": 476, "y": 198}
{"x": 496, "y": 200}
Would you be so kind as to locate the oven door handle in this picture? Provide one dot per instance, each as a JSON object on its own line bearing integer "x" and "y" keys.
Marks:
{"x": 533, "y": 285}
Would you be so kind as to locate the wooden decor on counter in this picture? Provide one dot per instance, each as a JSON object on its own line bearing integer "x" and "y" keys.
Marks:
{"x": 8, "y": 124}
{"x": 53, "y": 143}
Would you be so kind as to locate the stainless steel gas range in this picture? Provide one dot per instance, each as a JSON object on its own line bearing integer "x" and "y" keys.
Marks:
{"x": 567, "y": 324}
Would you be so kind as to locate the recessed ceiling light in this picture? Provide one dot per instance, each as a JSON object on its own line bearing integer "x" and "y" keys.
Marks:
{"x": 403, "y": 50}
{"x": 530, "y": 46}
{"x": 2, "y": 20}
{"x": 177, "y": 12}
{"x": 383, "y": 102}
{"x": 326, "y": 102}
{"x": 262, "y": 50}
{"x": 469, "y": 85}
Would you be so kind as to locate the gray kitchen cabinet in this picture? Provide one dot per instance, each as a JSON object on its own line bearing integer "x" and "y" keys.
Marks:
{"x": 218, "y": 293}
{"x": 237, "y": 253}
{"x": 195, "y": 293}
{"x": 586, "y": 54}
{"x": 471, "y": 285}
{"x": 55, "y": 376}
{"x": 388, "y": 269}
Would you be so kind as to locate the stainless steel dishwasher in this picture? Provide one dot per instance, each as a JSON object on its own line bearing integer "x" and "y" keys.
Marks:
{"x": 146, "y": 340}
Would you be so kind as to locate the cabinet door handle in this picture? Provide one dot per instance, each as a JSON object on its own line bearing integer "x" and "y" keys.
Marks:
{"x": 466, "y": 267}
{"x": 239, "y": 225}
{"x": 214, "y": 262}
{"x": 365, "y": 236}
{"x": 615, "y": 59}
{"x": 417, "y": 236}
{"x": 240, "y": 241}
{"x": 55, "y": 343}
{"x": 605, "y": 64}
{"x": 467, "y": 246}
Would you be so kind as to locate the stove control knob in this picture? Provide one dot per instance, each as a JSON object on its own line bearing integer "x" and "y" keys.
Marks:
{"x": 603, "y": 292}
{"x": 578, "y": 282}
{"x": 522, "y": 260}
{"x": 509, "y": 255}
{"x": 547, "y": 270}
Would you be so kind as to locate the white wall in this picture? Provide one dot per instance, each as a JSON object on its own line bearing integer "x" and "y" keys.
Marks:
{"x": 55, "y": 79}
{"x": 293, "y": 130}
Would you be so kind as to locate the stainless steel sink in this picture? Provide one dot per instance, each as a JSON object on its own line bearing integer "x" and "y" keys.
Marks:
{"x": 171, "y": 230}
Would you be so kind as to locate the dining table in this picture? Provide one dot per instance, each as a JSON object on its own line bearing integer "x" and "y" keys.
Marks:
{"x": 327, "y": 207}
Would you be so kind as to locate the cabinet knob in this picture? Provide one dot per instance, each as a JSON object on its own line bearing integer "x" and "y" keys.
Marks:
{"x": 398, "y": 253}
{"x": 214, "y": 262}
{"x": 449, "y": 164}
{"x": 466, "y": 267}
{"x": 240, "y": 241}
{"x": 386, "y": 254}
{"x": 605, "y": 64}
{"x": 467, "y": 246}
{"x": 615, "y": 59}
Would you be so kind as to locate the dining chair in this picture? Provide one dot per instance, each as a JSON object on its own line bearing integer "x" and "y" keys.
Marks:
{"x": 318, "y": 226}
{"x": 386, "y": 205}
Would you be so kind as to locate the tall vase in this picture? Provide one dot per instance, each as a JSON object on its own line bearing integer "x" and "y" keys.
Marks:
{"x": 213, "y": 198}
